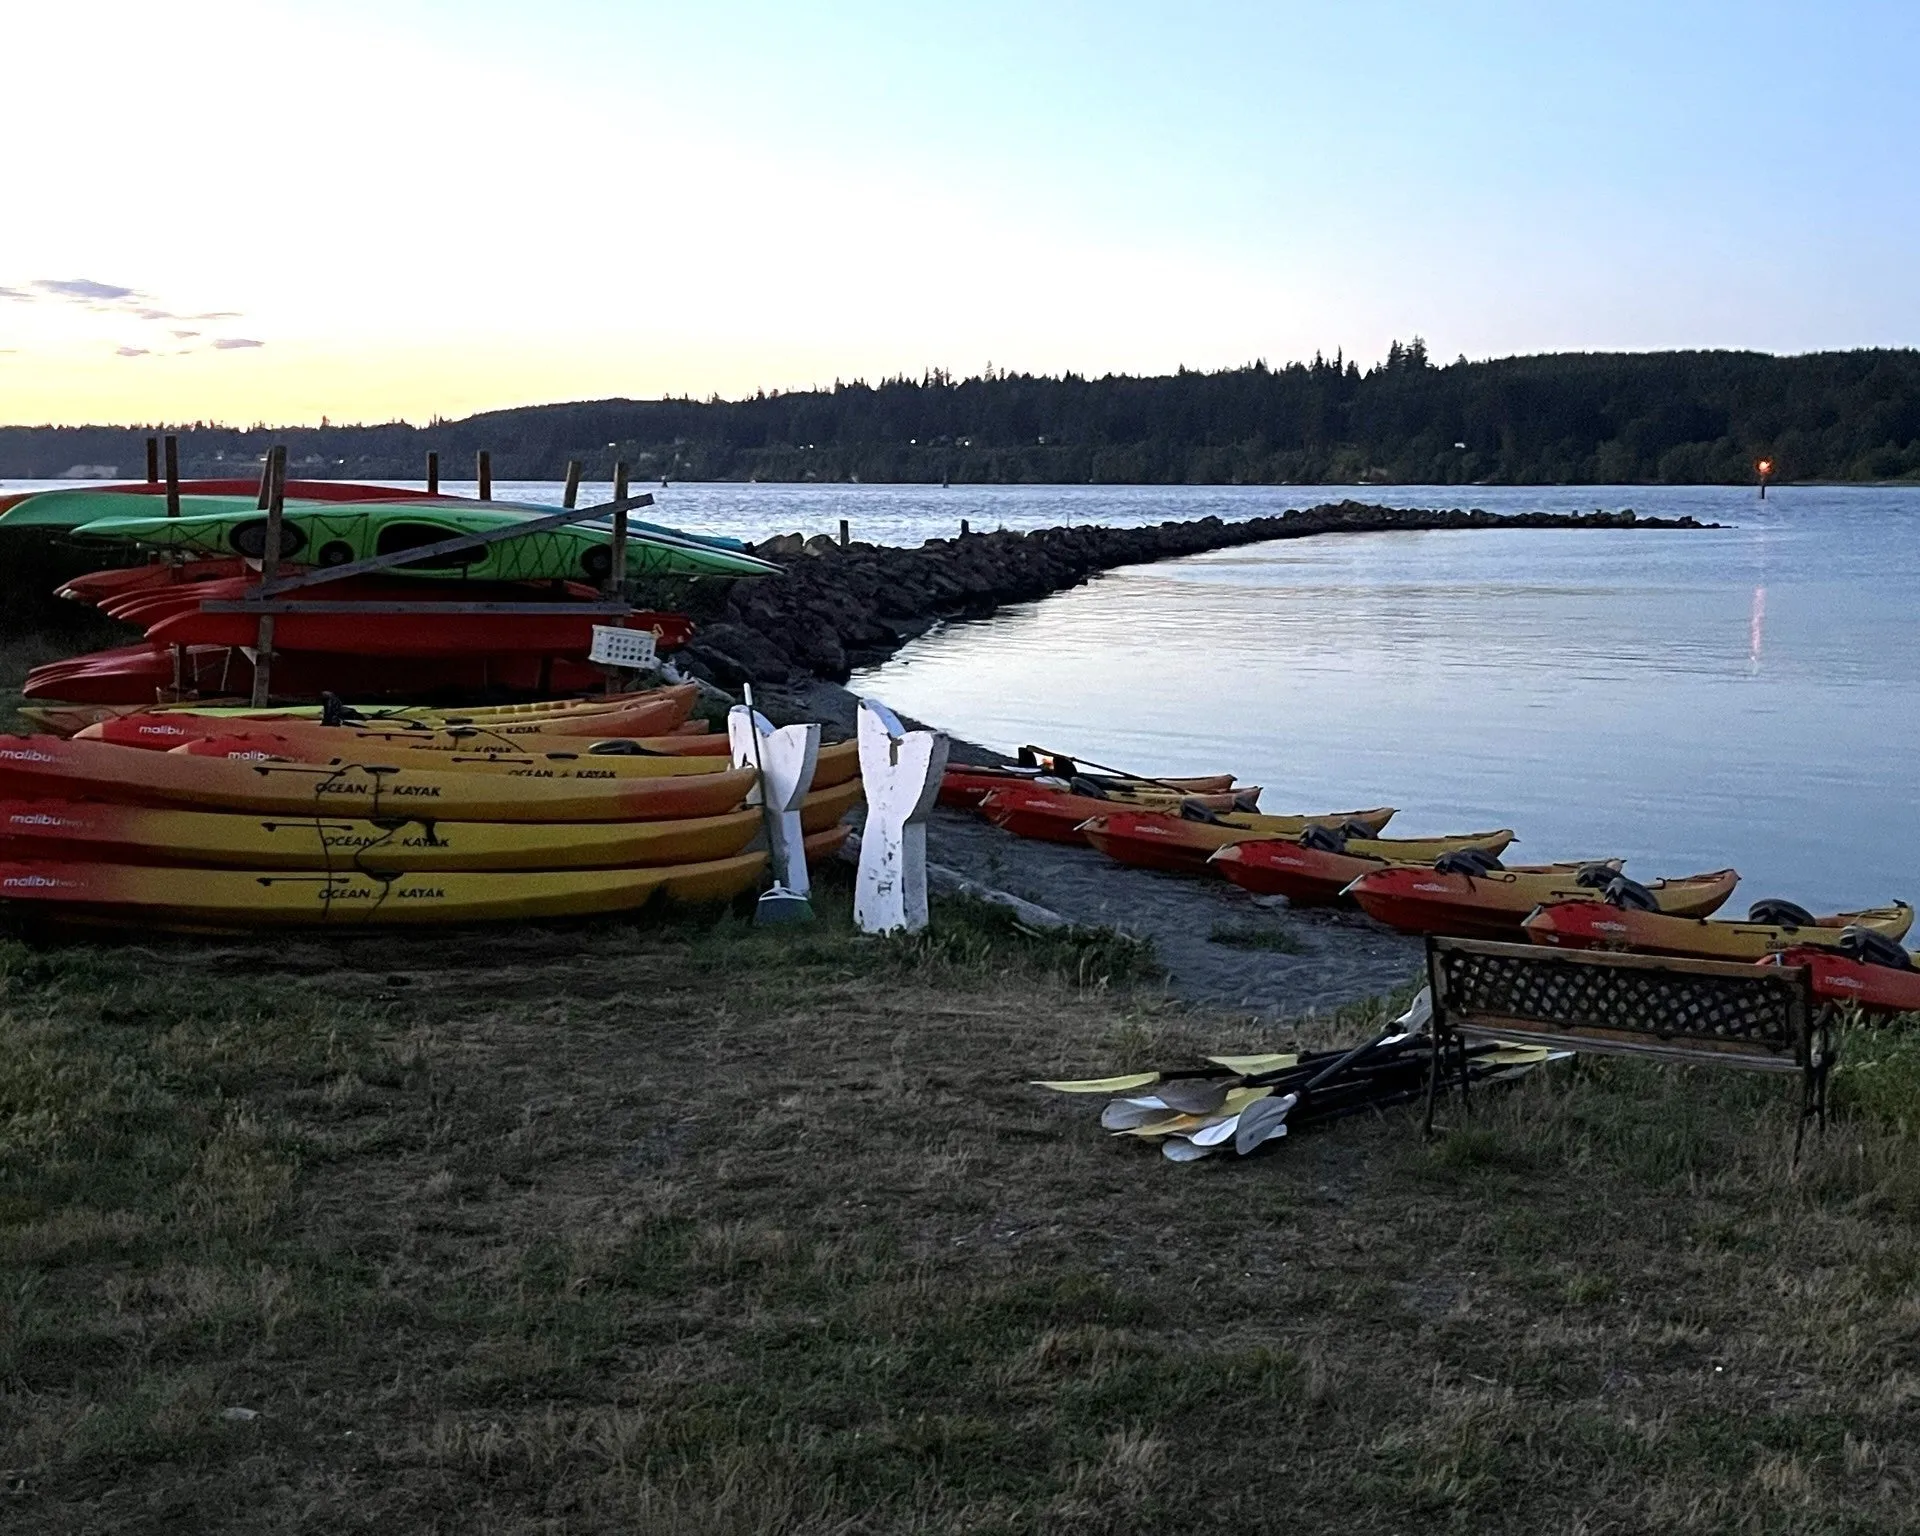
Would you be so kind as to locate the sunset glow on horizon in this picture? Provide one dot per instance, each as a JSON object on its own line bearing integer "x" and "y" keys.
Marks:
{"x": 288, "y": 210}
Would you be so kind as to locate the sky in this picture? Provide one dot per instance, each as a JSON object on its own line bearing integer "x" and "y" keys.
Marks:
{"x": 375, "y": 209}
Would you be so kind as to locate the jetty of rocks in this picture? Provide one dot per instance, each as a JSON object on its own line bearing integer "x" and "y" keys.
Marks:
{"x": 846, "y": 605}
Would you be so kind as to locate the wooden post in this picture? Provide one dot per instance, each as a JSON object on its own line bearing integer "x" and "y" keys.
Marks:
{"x": 572, "y": 497}
{"x": 617, "y": 571}
{"x": 153, "y": 461}
{"x": 483, "y": 472}
{"x": 844, "y": 533}
{"x": 965, "y": 528}
{"x": 273, "y": 495}
{"x": 433, "y": 474}
{"x": 173, "y": 474}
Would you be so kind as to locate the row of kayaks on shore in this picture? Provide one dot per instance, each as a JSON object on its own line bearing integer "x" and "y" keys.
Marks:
{"x": 177, "y": 819}
{"x": 1457, "y": 886}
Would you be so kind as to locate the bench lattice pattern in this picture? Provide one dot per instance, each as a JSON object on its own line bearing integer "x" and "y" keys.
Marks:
{"x": 1752, "y": 1012}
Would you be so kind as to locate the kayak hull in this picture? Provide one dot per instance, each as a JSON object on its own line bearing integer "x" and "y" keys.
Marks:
{"x": 964, "y": 788}
{"x": 1056, "y": 816}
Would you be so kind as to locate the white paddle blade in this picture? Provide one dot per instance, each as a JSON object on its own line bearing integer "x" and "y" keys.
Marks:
{"x": 1177, "y": 1150}
{"x": 1125, "y": 1114}
{"x": 1213, "y": 1135}
{"x": 1262, "y": 1122}
{"x": 1195, "y": 1096}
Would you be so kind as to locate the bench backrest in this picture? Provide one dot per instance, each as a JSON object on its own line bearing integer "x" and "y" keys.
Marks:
{"x": 1751, "y": 1016}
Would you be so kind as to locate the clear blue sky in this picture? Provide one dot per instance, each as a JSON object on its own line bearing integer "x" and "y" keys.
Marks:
{"x": 582, "y": 197}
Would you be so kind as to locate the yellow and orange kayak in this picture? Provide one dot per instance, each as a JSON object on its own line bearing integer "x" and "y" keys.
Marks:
{"x": 136, "y": 834}
{"x": 1493, "y": 905}
{"x": 616, "y": 759}
{"x": 242, "y": 899}
{"x": 1178, "y": 846}
{"x": 1601, "y": 925}
{"x": 653, "y": 714}
{"x": 48, "y": 767}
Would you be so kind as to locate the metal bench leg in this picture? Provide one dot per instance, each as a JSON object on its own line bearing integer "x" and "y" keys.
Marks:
{"x": 1433, "y": 1080}
{"x": 1460, "y": 1047}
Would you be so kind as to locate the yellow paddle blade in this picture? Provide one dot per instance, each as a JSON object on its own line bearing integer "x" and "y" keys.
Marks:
{"x": 1249, "y": 1066}
{"x": 1102, "y": 1084}
{"x": 1520, "y": 1055}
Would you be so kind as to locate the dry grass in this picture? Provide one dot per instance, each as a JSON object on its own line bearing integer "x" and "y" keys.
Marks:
{"x": 708, "y": 1231}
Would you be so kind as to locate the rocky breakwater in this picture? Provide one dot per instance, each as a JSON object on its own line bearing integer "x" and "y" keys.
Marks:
{"x": 842, "y": 606}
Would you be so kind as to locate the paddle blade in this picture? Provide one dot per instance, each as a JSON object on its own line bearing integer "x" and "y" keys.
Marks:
{"x": 1262, "y": 1122}
{"x": 1196, "y": 1096}
{"x": 1101, "y": 1084}
{"x": 1179, "y": 1151}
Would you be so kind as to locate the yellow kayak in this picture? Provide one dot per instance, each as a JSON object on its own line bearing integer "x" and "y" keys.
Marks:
{"x": 225, "y": 898}
{"x": 53, "y": 829}
{"x": 576, "y": 760}
{"x": 46, "y": 766}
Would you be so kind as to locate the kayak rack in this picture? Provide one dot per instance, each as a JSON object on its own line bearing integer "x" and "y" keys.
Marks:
{"x": 269, "y": 597}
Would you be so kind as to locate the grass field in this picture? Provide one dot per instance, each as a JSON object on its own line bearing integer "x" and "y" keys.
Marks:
{"x": 690, "y": 1229}
{"x": 696, "y": 1229}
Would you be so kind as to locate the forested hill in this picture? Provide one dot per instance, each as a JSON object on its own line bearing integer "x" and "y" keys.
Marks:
{"x": 1666, "y": 417}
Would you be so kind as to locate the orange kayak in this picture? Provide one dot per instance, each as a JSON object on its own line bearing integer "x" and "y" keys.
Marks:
{"x": 1493, "y": 905}
{"x": 1155, "y": 840}
{"x": 1319, "y": 876}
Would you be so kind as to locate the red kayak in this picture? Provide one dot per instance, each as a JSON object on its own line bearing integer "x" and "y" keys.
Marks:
{"x": 102, "y": 587}
{"x": 450, "y": 635}
{"x": 147, "y": 607}
{"x": 1837, "y": 978}
{"x": 134, "y": 674}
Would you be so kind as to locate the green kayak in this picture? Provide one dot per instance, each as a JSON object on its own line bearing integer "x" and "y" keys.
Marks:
{"x": 323, "y": 535}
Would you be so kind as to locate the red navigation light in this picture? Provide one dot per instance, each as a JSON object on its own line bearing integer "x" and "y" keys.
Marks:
{"x": 1764, "y": 466}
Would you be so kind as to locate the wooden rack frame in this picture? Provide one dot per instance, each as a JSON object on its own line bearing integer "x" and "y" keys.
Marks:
{"x": 268, "y": 597}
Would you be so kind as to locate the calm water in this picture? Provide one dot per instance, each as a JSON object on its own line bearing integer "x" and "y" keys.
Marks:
{"x": 1687, "y": 700}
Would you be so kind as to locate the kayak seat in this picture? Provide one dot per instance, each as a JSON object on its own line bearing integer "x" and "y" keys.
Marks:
{"x": 1324, "y": 839}
{"x": 1630, "y": 895}
{"x": 1467, "y": 861}
{"x": 1091, "y": 788}
{"x": 1193, "y": 810}
{"x": 1782, "y": 914}
{"x": 1595, "y": 877}
{"x": 1870, "y": 948}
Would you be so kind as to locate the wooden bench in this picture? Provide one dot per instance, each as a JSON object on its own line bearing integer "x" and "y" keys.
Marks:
{"x": 1704, "y": 1012}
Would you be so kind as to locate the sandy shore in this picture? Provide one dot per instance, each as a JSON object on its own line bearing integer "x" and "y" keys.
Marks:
{"x": 1332, "y": 957}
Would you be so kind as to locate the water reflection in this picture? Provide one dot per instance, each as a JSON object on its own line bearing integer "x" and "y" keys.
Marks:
{"x": 1579, "y": 687}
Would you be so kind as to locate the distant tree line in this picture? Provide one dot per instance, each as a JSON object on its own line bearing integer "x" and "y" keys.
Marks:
{"x": 1606, "y": 418}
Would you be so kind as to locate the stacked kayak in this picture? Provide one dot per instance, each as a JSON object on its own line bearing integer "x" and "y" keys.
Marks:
{"x": 1056, "y": 815}
{"x": 95, "y": 832}
{"x": 1182, "y": 845}
{"x": 1492, "y": 903}
{"x": 209, "y": 556}
{"x": 1771, "y": 927}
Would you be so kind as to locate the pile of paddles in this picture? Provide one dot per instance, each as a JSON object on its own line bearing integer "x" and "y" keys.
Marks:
{"x": 1455, "y": 885}
{"x": 233, "y": 819}
{"x": 1243, "y": 1103}
{"x": 516, "y": 615}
